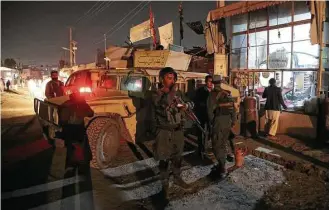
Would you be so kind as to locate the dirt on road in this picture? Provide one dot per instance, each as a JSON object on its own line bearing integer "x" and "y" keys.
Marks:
{"x": 299, "y": 191}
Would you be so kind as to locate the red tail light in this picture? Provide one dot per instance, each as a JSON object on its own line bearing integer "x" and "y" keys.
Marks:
{"x": 85, "y": 90}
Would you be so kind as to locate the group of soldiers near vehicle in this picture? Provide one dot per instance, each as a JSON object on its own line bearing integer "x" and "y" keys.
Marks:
{"x": 213, "y": 106}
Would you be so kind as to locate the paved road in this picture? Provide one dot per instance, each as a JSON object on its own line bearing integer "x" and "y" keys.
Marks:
{"x": 131, "y": 183}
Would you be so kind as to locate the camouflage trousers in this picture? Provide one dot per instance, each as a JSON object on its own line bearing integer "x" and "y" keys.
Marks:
{"x": 168, "y": 147}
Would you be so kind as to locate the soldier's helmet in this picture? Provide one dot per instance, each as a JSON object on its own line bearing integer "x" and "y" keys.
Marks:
{"x": 167, "y": 70}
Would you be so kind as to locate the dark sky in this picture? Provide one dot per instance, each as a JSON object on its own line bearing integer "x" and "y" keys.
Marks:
{"x": 36, "y": 31}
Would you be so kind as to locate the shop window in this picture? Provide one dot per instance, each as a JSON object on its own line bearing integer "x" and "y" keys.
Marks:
{"x": 239, "y": 58}
{"x": 282, "y": 49}
{"x": 257, "y": 57}
{"x": 279, "y": 56}
{"x": 239, "y": 23}
{"x": 302, "y": 11}
{"x": 301, "y": 32}
{"x": 280, "y": 35}
{"x": 280, "y": 14}
{"x": 239, "y": 41}
{"x": 298, "y": 87}
{"x": 258, "y": 38}
{"x": 305, "y": 55}
{"x": 258, "y": 19}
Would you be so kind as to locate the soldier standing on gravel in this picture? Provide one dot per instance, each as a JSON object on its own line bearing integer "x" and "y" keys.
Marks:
{"x": 169, "y": 141}
{"x": 222, "y": 116}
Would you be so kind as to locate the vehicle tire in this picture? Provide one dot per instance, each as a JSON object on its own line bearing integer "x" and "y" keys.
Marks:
{"x": 104, "y": 141}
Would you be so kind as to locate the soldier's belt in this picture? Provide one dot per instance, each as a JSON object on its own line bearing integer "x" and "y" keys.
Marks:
{"x": 229, "y": 104}
{"x": 170, "y": 128}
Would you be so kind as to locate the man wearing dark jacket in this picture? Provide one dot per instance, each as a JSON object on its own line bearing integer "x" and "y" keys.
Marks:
{"x": 273, "y": 104}
{"x": 200, "y": 101}
{"x": 54, "y": 87}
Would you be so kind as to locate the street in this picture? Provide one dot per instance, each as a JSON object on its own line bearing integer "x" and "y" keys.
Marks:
{"x": 132, "y": 182}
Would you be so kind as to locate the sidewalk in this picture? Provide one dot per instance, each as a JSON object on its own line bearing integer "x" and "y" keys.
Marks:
{"x": 305, "y": 156}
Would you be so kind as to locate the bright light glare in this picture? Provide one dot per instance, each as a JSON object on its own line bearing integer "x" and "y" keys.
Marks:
{"x": 85, "y": 90}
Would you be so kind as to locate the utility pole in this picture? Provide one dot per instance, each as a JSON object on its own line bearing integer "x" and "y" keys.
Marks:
{"x": 71, "y": 48}
{"x": 104, "y": 43}
{"x": 74, "y": 48}
{"x": 181, "y": 19}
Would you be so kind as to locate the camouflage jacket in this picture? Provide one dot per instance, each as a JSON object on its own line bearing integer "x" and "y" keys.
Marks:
{"x": 167, "y": 115}
{"x": 220, "y": 103}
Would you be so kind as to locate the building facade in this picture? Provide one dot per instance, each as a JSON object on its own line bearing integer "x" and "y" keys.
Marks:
{"x": 273, "y": 39}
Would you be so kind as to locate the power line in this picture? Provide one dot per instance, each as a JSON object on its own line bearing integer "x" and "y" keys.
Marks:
{"x": 86, "y": 13}
{"x": 126, "y": 21}
{"x": 125, "y": 17}
{"x": 103, "y": 8}
{"x": 122, "y": 19}
{"x": 98, "y": 8}
{"x": 130, "y": 18}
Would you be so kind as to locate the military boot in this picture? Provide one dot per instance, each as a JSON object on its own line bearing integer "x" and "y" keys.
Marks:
{"x": 217, "y": 173}
{"x": 177, "y": 163}
{"x": 165, "y": 188}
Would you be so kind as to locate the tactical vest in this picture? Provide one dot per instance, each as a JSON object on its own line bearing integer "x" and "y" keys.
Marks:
{"x": 224, "y": 103}
{"x": 173, "y": 116}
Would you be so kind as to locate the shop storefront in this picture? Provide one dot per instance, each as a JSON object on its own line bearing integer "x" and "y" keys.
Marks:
{"x": 272, "y": 39}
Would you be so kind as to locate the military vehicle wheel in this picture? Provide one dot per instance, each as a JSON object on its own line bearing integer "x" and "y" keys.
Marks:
{"x": 104, "y": 142}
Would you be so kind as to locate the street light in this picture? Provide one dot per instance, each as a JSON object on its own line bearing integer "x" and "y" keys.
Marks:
{"x": 64, "y": 48}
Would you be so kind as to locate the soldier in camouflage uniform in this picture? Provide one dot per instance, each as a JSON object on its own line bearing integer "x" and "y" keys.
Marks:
{"x": 169, "y": 121}
{"x": 222, "y": 117}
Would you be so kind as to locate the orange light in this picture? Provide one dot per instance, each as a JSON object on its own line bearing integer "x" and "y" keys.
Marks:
{"x": 85, "y": 90}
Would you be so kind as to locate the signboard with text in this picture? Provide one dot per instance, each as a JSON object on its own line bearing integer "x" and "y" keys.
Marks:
{"x": 155, "y": 58}
{"x": 162, "y": 58}
{"x": 220, "y": 67}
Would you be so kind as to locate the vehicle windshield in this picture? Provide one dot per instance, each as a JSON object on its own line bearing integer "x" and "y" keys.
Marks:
{"x": 108, "y": 82}
{"x": 132, "y": 83}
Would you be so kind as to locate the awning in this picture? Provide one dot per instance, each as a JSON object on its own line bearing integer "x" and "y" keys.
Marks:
{"x": 239, "y": 8}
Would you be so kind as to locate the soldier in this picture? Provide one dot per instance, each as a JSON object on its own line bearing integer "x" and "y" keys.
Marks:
{"x": 54, "y": 87}
{"x": 72, "y": 142}
{"x": 74, "y": 112}
{"x": 200, "y": 101}
{"x": 169, "y": 140}
{"x": 222, "y": 118}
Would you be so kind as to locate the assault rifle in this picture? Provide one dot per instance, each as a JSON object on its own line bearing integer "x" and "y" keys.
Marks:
{"x": 178, "y": 102}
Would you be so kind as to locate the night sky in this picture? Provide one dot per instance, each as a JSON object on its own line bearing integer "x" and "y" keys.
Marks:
{"x": 34, "y": 32}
